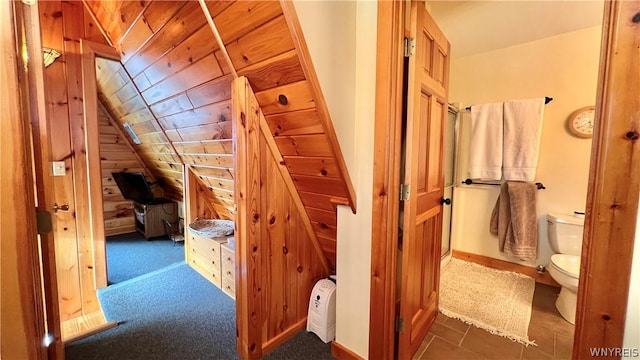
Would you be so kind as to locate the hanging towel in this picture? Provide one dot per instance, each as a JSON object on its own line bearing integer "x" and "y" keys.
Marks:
{"x": 485, "y": 160}
{"x": 514, "y": 220}
{"x": 522, "y": 129}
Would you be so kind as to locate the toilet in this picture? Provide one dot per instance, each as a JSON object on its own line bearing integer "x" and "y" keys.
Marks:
{"x": 565, "y": 238}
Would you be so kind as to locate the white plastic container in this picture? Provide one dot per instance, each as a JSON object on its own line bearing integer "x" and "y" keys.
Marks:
{"x": 321, "y": 319}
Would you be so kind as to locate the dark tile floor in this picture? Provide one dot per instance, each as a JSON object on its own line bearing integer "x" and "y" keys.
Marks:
{"x": 452, "y": 339}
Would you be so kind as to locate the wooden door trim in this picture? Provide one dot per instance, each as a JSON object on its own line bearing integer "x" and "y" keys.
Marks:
{"x": 89, "y": 50}
{"x": 386, "y": 178}
{"x": 41, "y": 140}
{"x": 22, "y": 312}
{"x": 591, "y": 294}
{"x": 614, "y": 187}
{"x": 249, "y": 298}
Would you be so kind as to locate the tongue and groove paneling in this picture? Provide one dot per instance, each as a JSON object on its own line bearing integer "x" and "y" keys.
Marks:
{"x": 182, "y": 110}
{"x": 116, "y": 155}
{"x": 124, "y": 104}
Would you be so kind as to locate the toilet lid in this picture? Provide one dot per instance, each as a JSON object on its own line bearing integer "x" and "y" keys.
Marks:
{"x": 568, "y": 264}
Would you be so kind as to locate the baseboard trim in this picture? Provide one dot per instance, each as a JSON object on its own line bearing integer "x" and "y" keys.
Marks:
{"x": 83, "y": 326}
{"x": 544, "y": 278}
{"x": 281, "y": 338}
{"x": 342, "y": 353}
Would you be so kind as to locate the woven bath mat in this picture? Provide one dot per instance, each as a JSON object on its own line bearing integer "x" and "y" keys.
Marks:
{"x": 493, "y": 300}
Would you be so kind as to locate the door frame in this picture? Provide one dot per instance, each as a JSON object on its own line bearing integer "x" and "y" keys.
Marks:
{"x": 22, "y": 312}
{"x": 452, "y": 109}
{"x": 607, "y": 178}
{"x": 386, "y": 177}
{"x": 89, "y": 50}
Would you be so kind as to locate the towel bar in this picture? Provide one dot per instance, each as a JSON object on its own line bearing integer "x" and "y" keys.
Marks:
{"x": 546, "y": 101}
{"x": 539, "y": 185}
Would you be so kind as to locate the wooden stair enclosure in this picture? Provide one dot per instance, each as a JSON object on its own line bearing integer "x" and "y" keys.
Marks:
{"x": 278, "y": 256}
{"x": 173, "y": 87}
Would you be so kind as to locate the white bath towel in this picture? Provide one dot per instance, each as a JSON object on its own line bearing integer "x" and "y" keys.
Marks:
{"x": 522, "y": 130}
{"x": 485, "y": 160}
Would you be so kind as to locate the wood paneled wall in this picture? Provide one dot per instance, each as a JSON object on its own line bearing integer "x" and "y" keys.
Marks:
{"x": 278, "y": 260}
{"x": 174, "y": 89}
{"x": 116, "y": 155}
{"x": 63, "y": 24}
{"x": 173, "y": 93}
{"x": 198, "y": 200}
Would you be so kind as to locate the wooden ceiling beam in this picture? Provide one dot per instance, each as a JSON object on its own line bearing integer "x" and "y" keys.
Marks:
{"x": 97, "y": 22}
{"x": 216, "y": 34}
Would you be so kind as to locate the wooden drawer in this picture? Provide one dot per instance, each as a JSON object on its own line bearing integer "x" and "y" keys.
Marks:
{"x": 205, "y": 260}
{"x": 228, "y": 258}
{"x": 204, "y": 245}
{"x": 201, "y": 265}
{"x": 229, "y": 286}
{"x": 206, "y": 248}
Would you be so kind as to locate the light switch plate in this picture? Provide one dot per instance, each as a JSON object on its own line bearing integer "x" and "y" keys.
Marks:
{"x": 59, "y": 168}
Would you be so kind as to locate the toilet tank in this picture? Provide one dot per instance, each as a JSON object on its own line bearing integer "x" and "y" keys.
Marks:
{"x": 565, "y": 233}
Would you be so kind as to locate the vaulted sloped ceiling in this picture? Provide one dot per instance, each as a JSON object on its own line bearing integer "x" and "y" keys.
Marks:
{"x": 173, "y": 88}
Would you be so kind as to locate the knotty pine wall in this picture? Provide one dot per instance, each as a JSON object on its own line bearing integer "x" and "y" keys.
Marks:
{"x": 278, "y": 257}
{"x": 63, "y": 24}
{"x": 181, "y": 111}
{"x": 172, "y": 91}
{"x": 290, "y": 265}
{"x": 116, "y": 155}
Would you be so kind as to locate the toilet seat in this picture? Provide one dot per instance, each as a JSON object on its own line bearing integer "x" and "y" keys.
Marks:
{"x": 569, "y": 265}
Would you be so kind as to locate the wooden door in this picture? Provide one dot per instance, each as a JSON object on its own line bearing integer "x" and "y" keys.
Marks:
{"x": 428, "y": 78}
{"x": 22, "y": 308}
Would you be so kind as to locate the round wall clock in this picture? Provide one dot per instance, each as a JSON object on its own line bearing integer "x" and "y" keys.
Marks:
{"x": 581, "y": 122}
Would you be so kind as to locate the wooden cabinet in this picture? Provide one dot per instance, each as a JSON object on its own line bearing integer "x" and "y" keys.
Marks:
{"x": 150, "y": 217}
{"x": 213, "y": 259}
{"x": 228, "y": 270}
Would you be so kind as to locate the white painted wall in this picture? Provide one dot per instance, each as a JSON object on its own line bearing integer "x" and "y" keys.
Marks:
{"x": 329, "y": 27}
{"x": 632, "y": 325}
{"x": 341, "y": 36}
{"x": 564, "y": 67}
{"x": 499, "y": 24}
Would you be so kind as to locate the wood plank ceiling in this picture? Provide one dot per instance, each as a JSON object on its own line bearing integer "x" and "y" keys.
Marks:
{"x": 173, "y": 88}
